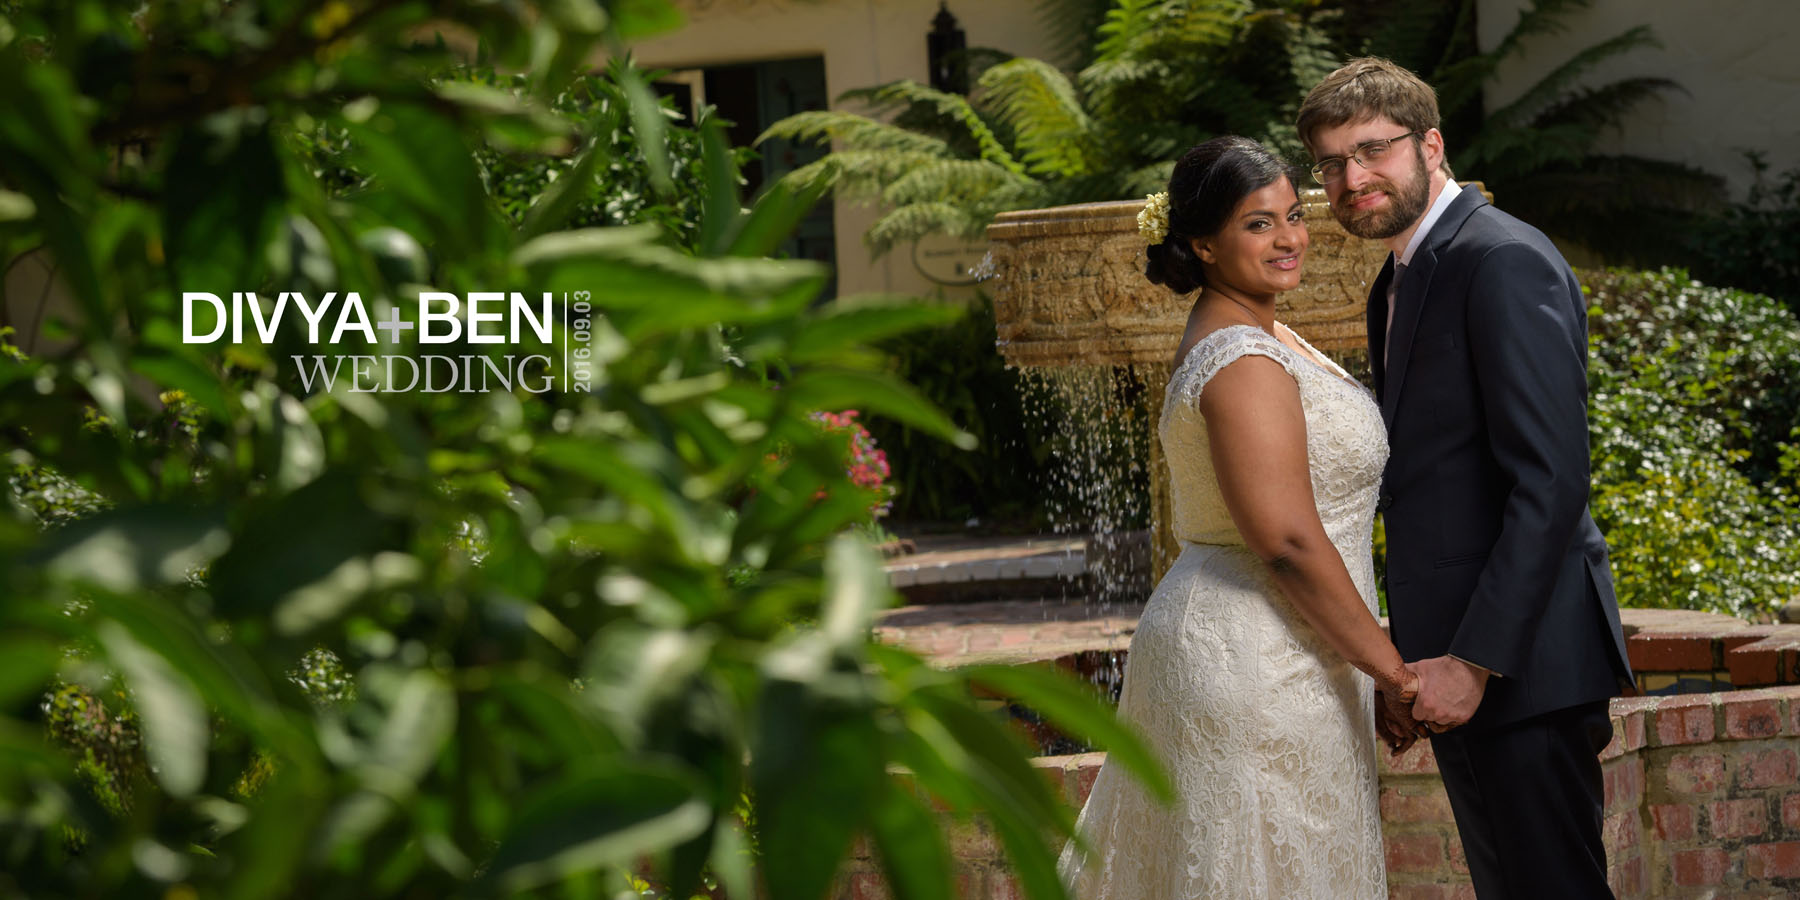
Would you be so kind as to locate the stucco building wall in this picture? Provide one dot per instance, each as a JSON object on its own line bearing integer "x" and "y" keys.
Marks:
{"x": 864, "y": 43}
{"x": 1735, "y": 58}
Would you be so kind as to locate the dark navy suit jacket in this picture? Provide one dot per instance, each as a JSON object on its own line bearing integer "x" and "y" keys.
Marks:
{"x": 1492, "y": 554}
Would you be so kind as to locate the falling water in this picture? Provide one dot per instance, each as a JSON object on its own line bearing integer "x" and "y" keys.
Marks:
{"x": 1096, "y": 422}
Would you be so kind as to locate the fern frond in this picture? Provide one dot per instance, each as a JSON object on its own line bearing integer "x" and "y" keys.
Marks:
{"x": 854, "y": 131}
{"x": 1141, "y": 28}
{"x": 859, "y": 173}
{"x": 1149, "y": 179}
{"x": 1052, "y": 131}
{"x": 1070, "y": 26}
{"x": 956, "y": 108}
{"x": 1124, "y": 24}
{"x": 964, "y": 181}
{"x": 916, "y": 220}
{"x": 1108, "y": 76}
{"x": 1620, "y": 184}
{"x": 1311, "y": 54}
{"x": 1605, "y": 105}
{"x": 1235, "y": 106}
{"x": 1500, "y": 154}
{"x": 1629, "y": 209}
{"x": 1411, "y": 34}
{"x": 1542, "y": 17}
{"x": 1563, "y": 78}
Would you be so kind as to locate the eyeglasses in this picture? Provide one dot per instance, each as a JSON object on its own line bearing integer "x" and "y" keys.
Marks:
{"x": 1367, "y": 154}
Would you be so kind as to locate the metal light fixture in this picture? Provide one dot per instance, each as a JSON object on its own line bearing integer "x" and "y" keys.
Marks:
{"x": 944, "y": 46}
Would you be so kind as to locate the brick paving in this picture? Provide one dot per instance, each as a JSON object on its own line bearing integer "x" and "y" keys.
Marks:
{"x": 1010, "y": 630}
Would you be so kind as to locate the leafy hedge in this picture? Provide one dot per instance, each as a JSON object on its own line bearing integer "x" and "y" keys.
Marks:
{"x": 1695, "y": 395}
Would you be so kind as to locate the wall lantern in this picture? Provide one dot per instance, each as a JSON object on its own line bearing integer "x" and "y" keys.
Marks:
{"x": 944, "y": 47}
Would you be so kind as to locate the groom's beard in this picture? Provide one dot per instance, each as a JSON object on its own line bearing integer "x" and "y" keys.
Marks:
{"x": 1406, "y": 203}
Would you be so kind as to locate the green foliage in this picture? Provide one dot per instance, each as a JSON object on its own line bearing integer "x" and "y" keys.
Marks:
{"x": 105, "y": 741}
{"x": 1694, "y": 398}
{"x": 1004, "y": 479}
{"x": 618, "y": 186}
{"x": 1749, "y": 245}
{"x": 1161, "y": 76}
{"x": 431, "y": 645}
{"x": 1158, "y": 76}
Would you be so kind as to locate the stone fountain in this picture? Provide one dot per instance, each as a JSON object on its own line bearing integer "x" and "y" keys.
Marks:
{"x": 1069, "y": 290}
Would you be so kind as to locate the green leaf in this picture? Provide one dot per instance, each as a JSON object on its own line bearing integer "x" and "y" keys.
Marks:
{"x": 640, "y": 19}
{"x": 856, "y": 588}
{"x": 558, "y": 202}
{"x": 422, "y": 160}
{"x": 635, "y": 671}
{"x": 1076, "y": 708}
{"x": 720, "y": 212}
{"x": 28, "y": 662}
{"x": 876, "y": 393}
{"x": 731, "y": 859}
{"x": 181, "y": 372}
{"x": 609, "y": 815}
{"x": 649, "y": 126}
{"x": 556, "y": 715}
{"x": 997, "y": 759}
{"x": 913, "y": 854}
{"x": 265, "y": 564}
{"x": 816, "y": 770}
{"x": 844, "y": 325}
{"x": 774, "y": 217}
{"x": 16, "y": 207}
{"x": 223, "y": 200}
{"x": 175, "y": 727}
{"x": 662, "y": 288}
{"x": 577, "y": 16}
{"x": 124, "y": 550}
{"x": 325, "y": 600}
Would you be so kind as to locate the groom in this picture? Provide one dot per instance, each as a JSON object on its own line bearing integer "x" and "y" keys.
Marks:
{"x": 1498, "y": 584}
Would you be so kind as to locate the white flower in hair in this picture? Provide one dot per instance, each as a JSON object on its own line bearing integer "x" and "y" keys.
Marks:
{"x": 1153, "y": 219}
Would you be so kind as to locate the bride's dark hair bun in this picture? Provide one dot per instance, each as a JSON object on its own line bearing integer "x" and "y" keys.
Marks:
{"x": 1208, "y": 183}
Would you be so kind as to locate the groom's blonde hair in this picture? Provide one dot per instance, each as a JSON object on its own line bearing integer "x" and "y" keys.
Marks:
{"x": 1363, "y": 89}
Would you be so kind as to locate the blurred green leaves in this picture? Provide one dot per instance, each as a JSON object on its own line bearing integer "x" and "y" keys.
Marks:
{"x": 445, "y": 644}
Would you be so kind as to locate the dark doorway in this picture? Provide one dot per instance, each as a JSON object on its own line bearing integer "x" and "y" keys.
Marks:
{"x": 753, "y": 96}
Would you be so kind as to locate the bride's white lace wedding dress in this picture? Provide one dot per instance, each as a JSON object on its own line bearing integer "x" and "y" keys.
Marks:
{"x": 1267, "y": 732}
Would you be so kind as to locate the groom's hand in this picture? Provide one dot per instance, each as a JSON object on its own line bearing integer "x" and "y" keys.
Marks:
{"x": 1451, "y": 693}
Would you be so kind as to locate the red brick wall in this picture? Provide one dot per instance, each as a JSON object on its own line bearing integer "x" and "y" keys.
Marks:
{"x": 1702, "y": 800}
{"x": 1702, "y": 797}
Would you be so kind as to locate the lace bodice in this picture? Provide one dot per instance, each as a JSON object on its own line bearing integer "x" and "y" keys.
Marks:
{"x": 1346, "y": 443}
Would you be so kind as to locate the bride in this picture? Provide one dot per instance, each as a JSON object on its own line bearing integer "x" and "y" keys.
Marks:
{"x": 1254, "y": 665}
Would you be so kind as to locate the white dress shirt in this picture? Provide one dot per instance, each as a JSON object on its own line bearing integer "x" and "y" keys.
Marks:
{"x": 1446, "y": 197}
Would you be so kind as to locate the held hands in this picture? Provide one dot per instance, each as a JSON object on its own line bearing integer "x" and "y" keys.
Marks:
{"x": 1394, "y": 699}
{"x": 1452, "y": 691}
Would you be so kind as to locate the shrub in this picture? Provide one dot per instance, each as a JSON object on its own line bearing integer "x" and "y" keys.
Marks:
{"x": 1694, "y": 392}
{"x": 1750, "y": 245}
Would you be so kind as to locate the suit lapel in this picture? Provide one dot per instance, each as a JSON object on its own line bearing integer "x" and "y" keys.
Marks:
{"x": 1377, "y": 324}
{"x": 1409, "y": 301}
